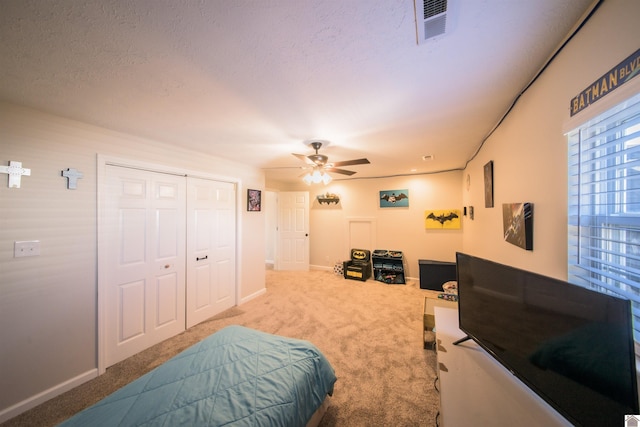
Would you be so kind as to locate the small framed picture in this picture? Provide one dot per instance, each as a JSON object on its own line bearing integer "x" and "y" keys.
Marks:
{"x": 254, "y": 200}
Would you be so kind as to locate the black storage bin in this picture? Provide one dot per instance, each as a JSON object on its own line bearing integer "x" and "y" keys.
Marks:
{"x": 388, "y": 266}
{"x": 433, "y": 274}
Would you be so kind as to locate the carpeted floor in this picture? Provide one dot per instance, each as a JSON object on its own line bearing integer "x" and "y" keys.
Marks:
{"x": 370, "y": 332}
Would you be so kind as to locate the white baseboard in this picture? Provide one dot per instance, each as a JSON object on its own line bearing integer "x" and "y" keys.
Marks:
{"x": 253, "y": 295}
{"x": 33, "y": 401}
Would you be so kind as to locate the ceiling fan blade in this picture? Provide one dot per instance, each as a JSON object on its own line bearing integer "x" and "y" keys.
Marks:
{"x": 304, "y": 158}
{"x": 342, "y": 171}
{"x": 283, "y": 167}
{"x": 352, "y": 162}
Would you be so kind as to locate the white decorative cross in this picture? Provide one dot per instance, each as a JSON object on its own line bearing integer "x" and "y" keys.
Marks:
{"x": 15, "y": 171}
{"x": 72, "y": 176}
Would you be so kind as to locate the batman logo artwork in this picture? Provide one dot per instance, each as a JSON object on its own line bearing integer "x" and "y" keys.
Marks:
{"x": 442, "y": 219}
{"x": 359, "y": 255}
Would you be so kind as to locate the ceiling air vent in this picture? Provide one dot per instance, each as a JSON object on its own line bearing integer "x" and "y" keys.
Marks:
{"x": 431, "y": 18}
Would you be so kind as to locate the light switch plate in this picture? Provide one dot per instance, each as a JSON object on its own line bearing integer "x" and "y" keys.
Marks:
{"x": 26, "y": 248}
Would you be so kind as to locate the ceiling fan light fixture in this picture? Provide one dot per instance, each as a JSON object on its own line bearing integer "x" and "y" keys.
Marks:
{"x": 318, "y": 159}
{"x": 321, "y": 165}
{"x": 307, "y": 179}
{"x": 316, "y": 177}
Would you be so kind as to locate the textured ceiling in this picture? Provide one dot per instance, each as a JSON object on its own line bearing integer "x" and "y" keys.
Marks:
{"x": 251, "y": 80}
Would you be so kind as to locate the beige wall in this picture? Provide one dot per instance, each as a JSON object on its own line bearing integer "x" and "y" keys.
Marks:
{"x": 529, "y": 149}
{"x": 48, "y": 303}
{"x": 401, "y": 229}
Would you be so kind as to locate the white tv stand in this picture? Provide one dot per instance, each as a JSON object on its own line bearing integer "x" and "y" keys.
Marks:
{"x": 476, "y": 390}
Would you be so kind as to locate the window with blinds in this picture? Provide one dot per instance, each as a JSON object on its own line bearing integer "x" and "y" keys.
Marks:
{"x": 604, "y": 204}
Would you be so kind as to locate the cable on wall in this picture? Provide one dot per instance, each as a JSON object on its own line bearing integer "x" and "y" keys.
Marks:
{"x": 538, "y": 74}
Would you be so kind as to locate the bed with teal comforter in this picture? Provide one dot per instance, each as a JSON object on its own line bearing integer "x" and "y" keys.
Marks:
{"x": 235, "y": 377}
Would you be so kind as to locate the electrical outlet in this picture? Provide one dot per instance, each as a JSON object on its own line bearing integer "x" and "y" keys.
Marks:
{"x": 26, "y": 248}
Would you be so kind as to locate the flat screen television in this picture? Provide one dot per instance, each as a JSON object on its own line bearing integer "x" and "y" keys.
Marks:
{"x": 570, "y": 345}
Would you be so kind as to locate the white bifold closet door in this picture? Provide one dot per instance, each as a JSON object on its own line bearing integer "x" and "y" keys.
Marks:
{"x": 144, "y": 215}
{"x": 211, "y": 248}
{"x": 168, "y": 259}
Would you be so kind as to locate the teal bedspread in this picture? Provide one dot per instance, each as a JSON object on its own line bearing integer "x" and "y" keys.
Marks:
{"x": 235, "y": 377}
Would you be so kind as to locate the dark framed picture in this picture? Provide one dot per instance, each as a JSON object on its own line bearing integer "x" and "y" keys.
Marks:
{"x": 488, "y": 185}
{"x": 254, "y": 200}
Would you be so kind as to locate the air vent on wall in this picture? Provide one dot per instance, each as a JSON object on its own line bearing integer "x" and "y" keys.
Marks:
{"x": 431, "y": 19}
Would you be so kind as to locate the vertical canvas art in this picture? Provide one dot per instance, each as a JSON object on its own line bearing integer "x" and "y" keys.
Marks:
{"x": 442, "y": 219}
{"x": 517, "y": 222}
{"x": 254, "y": 200}
{"x": 394, "y": 198}
{"x": 488, "y": 185}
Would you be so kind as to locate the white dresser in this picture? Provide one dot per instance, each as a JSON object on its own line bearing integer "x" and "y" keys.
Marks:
{"x": 476, "y": 390}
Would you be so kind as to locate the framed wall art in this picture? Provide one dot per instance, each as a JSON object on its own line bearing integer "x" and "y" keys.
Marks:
{"x": 442, "y": 219}
{"x": 254, "y": 200}
{"x": 394, "y": 198}
{"x": 517, "y": 223}
{"x": 488, "y": 185}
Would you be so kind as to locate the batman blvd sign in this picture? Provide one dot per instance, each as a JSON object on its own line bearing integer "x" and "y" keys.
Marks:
{"x": 616, "y": 77}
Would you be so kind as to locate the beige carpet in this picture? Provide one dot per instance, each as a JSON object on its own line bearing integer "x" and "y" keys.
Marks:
{"x": 370, "y": 332}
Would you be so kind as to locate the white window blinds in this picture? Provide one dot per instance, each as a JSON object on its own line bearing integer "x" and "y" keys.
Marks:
{"x": 604, "y": 204}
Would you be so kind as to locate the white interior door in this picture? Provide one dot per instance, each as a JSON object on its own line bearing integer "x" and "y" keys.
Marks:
{"x": 144, "y": 265}
{"x": 293, "y": 231}
{"x": 211, "y": 248}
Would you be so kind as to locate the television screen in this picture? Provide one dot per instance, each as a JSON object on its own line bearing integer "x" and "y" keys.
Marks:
{"x": 572, "y": 346}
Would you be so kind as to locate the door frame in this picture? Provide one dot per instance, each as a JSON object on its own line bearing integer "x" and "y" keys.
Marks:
{"x": 366, "y": 221}
{"x": 106, "y": 160}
